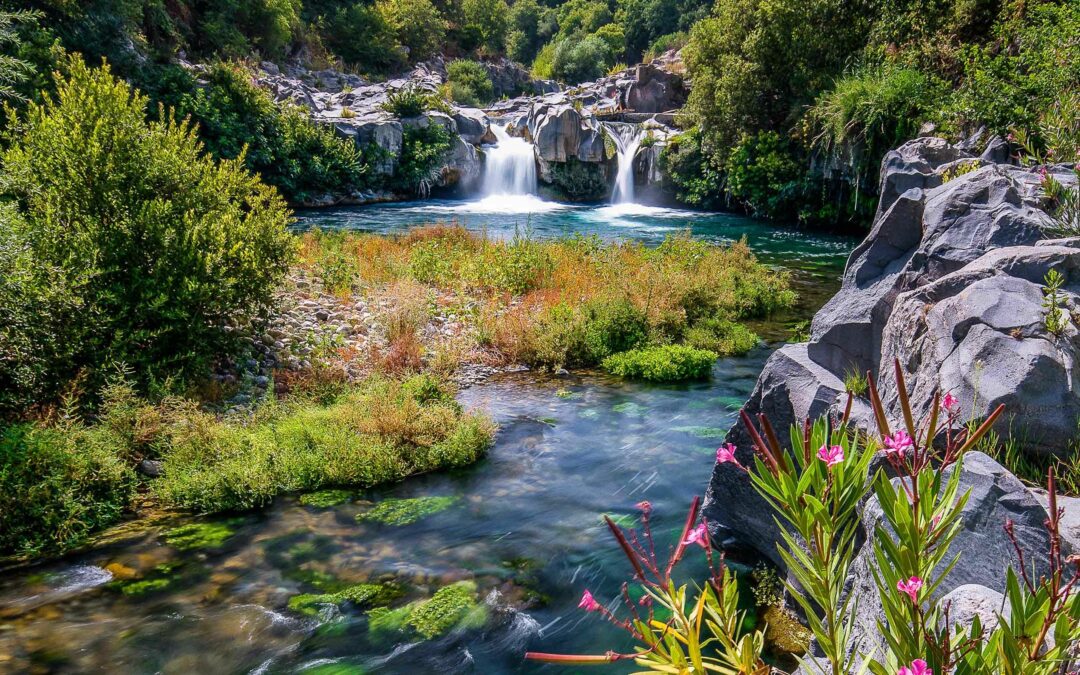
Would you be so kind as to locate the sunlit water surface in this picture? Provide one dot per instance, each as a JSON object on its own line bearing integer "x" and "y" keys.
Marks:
{"x": 526, "y": 524}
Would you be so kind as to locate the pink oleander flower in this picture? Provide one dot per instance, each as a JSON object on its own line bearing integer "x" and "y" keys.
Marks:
{"x": 949, "y": 401}
{"x": 726, "y": 453}
{"x": 911, "y": 587}
{"x": 831, "y": 454}
{"x": 1011, "y": 137}
{"x": 917, "y": 667}
{"x": 696, "y": 536}
{"x": 644, "y": 506}
{"x": 588, "y": 602}
{"x": 898, "y": 444}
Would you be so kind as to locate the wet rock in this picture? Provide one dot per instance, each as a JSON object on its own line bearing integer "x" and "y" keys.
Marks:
{"x": 150, "y": 468}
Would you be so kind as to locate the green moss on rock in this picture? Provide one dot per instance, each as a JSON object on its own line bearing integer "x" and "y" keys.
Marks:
{"x": 452, "y": 606}
{"x": 324, "y": 499}
{"x": 361, "y": 595}
{"x": 145, "y": 587}
{"x": 199, "y": 535}
{"x": 384, "y": 621}
{"x": 667, "y": 363}
{"x": 405, "y": 511}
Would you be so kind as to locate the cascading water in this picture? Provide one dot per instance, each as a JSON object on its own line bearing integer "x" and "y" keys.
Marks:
{"x": 627, "y": 138}
{"x": 509, "y": 166}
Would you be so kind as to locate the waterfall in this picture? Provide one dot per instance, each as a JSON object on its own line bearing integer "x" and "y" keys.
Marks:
{"x": 627, "y": 138}
{"x": 509, "y": 166}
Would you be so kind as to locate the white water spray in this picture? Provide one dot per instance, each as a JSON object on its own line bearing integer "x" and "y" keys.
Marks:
{"x": 509, "y": 166}
{"x": 628, "y": 138}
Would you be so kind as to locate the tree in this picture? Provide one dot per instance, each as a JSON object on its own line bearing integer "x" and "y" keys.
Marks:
{"x": 418, "y": 24}
{"x": 489, "y": 20}
{"x": 160, "y": 246}
{"x": 580, "y": 59}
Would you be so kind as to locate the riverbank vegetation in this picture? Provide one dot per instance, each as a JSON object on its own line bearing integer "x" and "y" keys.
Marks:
{"x": 570, "y": 302}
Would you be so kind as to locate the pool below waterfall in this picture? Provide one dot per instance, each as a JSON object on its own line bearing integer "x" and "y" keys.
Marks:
{"x": 524, "y": 525}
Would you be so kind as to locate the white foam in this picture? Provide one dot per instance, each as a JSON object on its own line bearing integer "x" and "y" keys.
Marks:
{"x": 499, "y": 204}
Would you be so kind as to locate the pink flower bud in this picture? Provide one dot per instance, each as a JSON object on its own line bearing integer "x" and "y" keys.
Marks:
{"x": 588, "y": 602}
{"x": 831, "y": 454}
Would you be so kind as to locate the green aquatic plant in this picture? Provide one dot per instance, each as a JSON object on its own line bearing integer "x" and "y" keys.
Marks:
{"x": 200, "y": 535}
{"x": 360, "y": 595}
{"x": 406, "y": 511}
{"x": 383, "y": 621}
{"x": 702, "y": 432}
{"x": 453, "y": 606}
{"x": 145, "y": 587}
{"x": 324, "y": 499}
{"x": 666, "y": 363}
{"x": 628, "y": 408}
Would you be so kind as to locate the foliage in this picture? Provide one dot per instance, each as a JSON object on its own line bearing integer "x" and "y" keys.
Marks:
{"x": 530, "y": 26}
{"x": 681, "y": 629}
{"x": 237, "y": 120}
{"x": 363, "y": 35}
{"x": 160, "y": 247}
{"x": 199, "y": 536}
{"x": 378, "y": 432}
{"x": 581, "y": 58}
{"x": 469, "y": 82}
{"x": 664, "y": 44}
{"x": 406, "y": 511}
{"x": 488, "y": 21}
{"x": 1054, "y": 320}
{"x": 451, "y": 606}
{"x": 578, "y": 181}
{"x": 419, "y": 26}
{"x": 409, "y": 101}
{"x": 423, "y": 151}
{"x": 665, "y": 363}
{"x": 764, "y": 176}
{"x": 14, "y": 71}
{"x": 572, "y": 301}
{"x": 58, "y": 485}
{"x": 359, "y": 595}
{"x": 324, "y": 499}
{"x": 692, "y": 168}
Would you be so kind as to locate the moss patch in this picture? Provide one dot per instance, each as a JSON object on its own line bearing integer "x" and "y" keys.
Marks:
{"x": 199, "y": 535}
{"x": 361, "y": 595}
{"x": 406, "y": 511}
{"x": 384, "y": 621}
{"x": 703, "y": 432}
{"x": 145, "y": 587}
{"x": 453, "y": 606}
{"x": 629, "y": 408}
{"x": 783, "y": 632}
{"x": 324, "y": 499}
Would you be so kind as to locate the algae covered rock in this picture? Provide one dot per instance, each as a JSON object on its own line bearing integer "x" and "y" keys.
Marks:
{"x": 453, "y": 606}
{"x": 360, "y": 595}
{"x": 200, "y": 535}
{"x": 324, "y": 499}
{"x": 406, "y": 511}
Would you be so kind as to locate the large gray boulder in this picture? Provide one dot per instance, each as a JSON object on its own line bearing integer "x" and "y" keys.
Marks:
{"x": 653, "y": 89}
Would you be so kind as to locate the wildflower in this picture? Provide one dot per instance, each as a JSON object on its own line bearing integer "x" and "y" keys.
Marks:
{"x": 696, "y": 536}
{"x": 918, "y": 667}
{"x": 831, "y": 455}
{"x": 644, "y": 506}
{"x": 588, "y": 602}
{"x": 949, "y": 401}
{"x": 726, "y": 454}
{"x": 1011, "y": 137}
{"x": 911, "y": 587}
{"x": 898, "y": 444}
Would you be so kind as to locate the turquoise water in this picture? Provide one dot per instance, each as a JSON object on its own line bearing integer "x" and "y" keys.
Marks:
{"x": 525, "y": 524}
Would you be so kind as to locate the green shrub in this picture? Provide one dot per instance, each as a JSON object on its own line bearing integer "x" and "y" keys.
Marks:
{"x": 363, "y": 37}
{"x": 423, "y": 151}
{"x": 280, "y": 142}
{"x": 161, "y": 247}
{"x": 418, "y": 24}
{"x": 469, "y": 82}
{"x": 664, "y": 44}
{"x": 581, "y": 59}
{"x": 409, "y": 101}
{"x": 612, "y": 326}
{"x": 723, "y": 337}
{"x": 58, "y": 485}
{"x": 544, "y": 63}
{"x": 666, "y": 363}
{"x": 489, "y": 21}
{"x": 578, "y": 181}
{"x": 764, "y": 175}
{"x": 692, "y": 170}
{"x": 380, "y": 431}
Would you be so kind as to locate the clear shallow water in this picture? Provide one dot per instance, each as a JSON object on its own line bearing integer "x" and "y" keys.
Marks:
{"x": 525, "y": 523}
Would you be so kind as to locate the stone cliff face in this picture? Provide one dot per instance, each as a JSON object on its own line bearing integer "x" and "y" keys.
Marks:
{"x": 573, "y": 153}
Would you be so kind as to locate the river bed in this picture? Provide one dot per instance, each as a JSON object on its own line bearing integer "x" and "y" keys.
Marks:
{"x": 525, "y": 524}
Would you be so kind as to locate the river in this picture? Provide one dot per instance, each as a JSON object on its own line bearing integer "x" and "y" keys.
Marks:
{"x": 525, "y": 524}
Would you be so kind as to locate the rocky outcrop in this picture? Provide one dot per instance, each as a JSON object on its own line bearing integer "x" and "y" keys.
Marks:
{"x": 949, "y": 283}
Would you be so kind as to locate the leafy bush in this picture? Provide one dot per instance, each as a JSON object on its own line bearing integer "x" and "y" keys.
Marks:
{"x": 530, "y": 26}
{"x": 664, "y": 44}
{"x": 612, "y": 326}
{"x": 380, "y": 431}
{"x": 409, "y": 101}
{"x": 580, "y": 59}
{"x": 489, "y": 21}
{"x": 763, "y": 175}
{"x": 363, "y": 36}
{"x": 692, "y": 170}
{"x": 161, "y": 246}
{"x": 665, "y": 363}
{"x": 418, "y": 24}
{"x": 58, "y": 485}
{"x": 578, "y": 181}
{"x": 721, "y": 336}
{"x": 238, "y": 119}
{"x": 470, "y": 83}
{"x": 423, "y": 151}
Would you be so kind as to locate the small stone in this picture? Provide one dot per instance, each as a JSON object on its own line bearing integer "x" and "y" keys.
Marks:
{"x": 150, "y": 467}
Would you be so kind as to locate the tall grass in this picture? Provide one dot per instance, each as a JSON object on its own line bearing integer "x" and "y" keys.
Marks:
{"x": 568, "y": 301}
